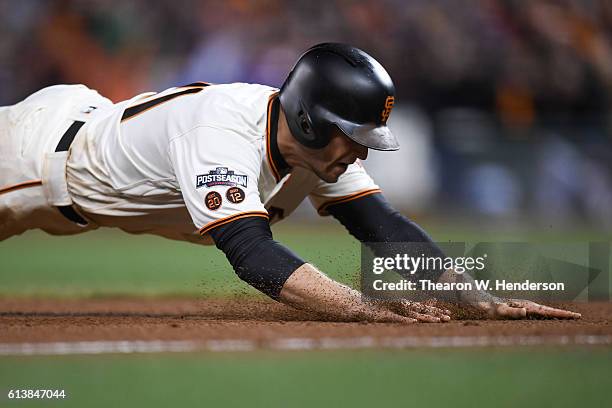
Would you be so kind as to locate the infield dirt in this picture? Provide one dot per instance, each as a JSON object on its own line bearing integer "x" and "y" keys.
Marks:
{"x": 44, "y": 320}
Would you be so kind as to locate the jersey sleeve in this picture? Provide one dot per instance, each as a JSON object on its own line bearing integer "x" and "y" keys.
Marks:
{"x": 352, "y": 184}
{"x": 217, "y": 171}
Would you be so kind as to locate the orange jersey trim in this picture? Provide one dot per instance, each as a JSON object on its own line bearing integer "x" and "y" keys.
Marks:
{"x": 19, "y": 186}
{"x": 231, "y": 218}
{"x": 322, "y": 209}
{"x": 275, "y": 172}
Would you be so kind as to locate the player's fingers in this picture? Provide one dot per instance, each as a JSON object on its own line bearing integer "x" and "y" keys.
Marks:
{"x": 435, "y": 312}
{"x": 394, "y": 318}
{"x": 545, "y": 311}
{"x": 556, "y": 313}
{"x": 382, "y": 315}
{"x": 431, "y": 309}
{"x": 425, "y": 318}
{"x": 502, "y": 310}
{"x": 506, "y": 311}
{"x": 423, "y": 308}
{"x": 443, "y": 315}
{"x": 433, "y": 303}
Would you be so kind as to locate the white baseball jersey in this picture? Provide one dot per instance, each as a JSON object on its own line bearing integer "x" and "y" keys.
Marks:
{"x": 198, "y": 155}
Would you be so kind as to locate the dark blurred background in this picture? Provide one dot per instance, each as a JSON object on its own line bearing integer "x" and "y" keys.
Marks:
{"x": 503, "y": 106}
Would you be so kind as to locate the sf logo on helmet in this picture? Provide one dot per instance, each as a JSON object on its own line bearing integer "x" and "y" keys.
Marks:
{"x": 387, "y": 109}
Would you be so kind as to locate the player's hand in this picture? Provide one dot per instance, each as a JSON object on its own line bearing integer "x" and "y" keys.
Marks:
{"x": 520, "y": 309}
{"x": 422, "y": 312}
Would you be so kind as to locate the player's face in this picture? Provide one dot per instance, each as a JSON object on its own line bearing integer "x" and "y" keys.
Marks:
{"x": 333, "y": 160}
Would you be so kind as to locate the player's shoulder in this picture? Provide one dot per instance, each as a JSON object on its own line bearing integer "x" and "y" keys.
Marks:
{"x": 238, "y": 107}
{"x": 239, "y": 92}
{"x": 243, "y": 98}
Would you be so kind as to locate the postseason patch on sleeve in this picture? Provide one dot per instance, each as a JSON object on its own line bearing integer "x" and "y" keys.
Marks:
{"x": 221, "y": 176}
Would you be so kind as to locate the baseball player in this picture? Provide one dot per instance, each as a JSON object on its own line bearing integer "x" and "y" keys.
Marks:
{"x": 218, "y": 164}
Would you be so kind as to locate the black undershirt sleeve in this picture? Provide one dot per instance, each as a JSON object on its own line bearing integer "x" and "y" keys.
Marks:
{"x": 256, "y": 258}
{"x": 373, "y": 219}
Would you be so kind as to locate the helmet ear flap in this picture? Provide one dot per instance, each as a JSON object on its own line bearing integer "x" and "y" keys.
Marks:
{"x": 315, "y": 134}
{"x": 304, "y": 123}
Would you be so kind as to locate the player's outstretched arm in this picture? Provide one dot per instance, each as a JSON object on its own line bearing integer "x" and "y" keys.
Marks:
{"x": 309, "y": 289}
{"x": 373, "y": 219}
{"x": 279, "y": 273}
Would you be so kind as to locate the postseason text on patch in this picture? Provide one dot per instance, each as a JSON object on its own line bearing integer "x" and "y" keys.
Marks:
{"x": 221, "y": 176}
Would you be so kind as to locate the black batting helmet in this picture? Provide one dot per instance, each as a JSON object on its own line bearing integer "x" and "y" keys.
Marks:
{"x": 339, "y": 85}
